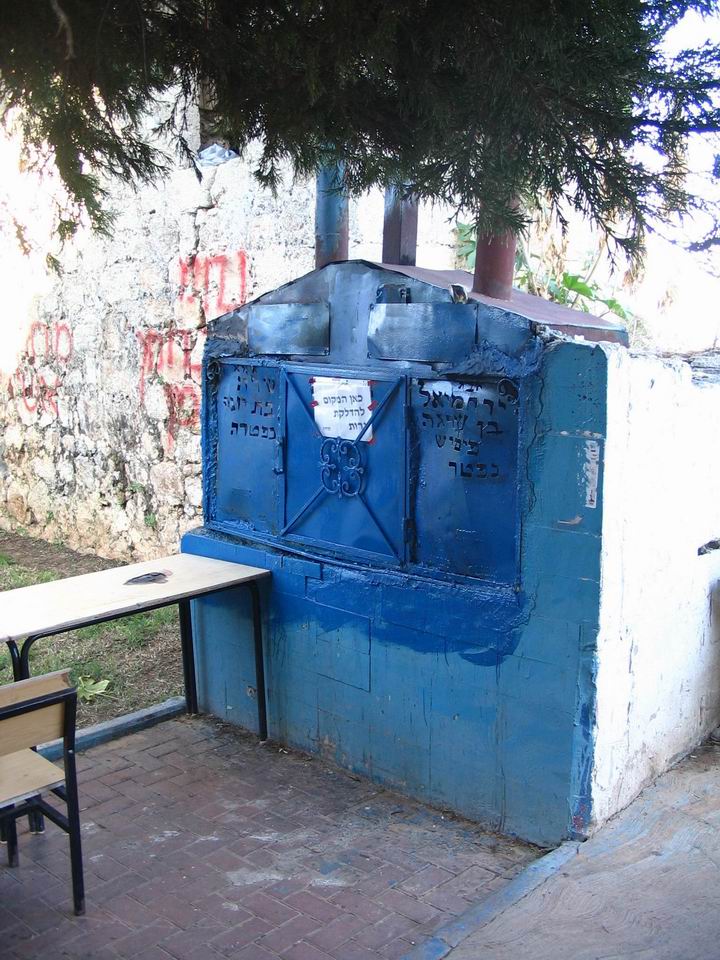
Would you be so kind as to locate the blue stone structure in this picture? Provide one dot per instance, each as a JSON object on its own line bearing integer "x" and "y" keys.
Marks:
{"x": 422, "y": 472}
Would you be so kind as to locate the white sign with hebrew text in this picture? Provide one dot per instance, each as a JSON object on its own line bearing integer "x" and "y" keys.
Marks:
{"x": 342, "y": 407}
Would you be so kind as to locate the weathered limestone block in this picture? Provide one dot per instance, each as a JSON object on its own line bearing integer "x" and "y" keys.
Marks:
{"x": 166, "y": 483}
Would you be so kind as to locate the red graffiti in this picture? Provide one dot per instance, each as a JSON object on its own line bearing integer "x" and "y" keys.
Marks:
{"x": 169, "y": 354}
{"x": 173, "y": 357}
{"x": 40, "y": 373}
{"x": 218, "y": 282}
{"x": 49, "y": 342}
{"x": 183, "y": 402}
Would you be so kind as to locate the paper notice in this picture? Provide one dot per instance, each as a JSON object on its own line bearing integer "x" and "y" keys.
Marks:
{"x": 342, "y": 407}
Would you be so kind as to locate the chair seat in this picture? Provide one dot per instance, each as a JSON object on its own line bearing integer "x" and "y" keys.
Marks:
{"x": 24, "y": 774}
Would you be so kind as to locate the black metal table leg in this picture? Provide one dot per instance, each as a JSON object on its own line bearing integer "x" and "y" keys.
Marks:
{"x": 21, "y": 671}
{"x": 259, "y": 660}
{"x": 25, "y": 657}
{"x": 188, "y": 656}
{"x": 14, "y": 659}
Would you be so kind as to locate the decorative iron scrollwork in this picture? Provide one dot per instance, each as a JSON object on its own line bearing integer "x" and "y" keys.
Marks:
{"x": 341, "y": 467}
{"x": 213, "y": 371}
{"x": 508, "y": 391}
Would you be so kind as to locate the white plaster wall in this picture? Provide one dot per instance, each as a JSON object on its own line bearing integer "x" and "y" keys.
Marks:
{"x": 658, "y": 676}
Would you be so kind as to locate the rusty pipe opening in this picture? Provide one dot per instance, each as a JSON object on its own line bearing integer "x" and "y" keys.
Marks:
{"x": 495, "y": 265}
{"x": 400, "y": 227}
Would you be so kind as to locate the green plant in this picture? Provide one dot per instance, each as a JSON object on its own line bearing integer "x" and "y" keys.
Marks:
{"x": 138, "y": 630}
{"x": 150, "y": 520}
{"x": 575, "y": 290}
{"x": 465, "y": 244}
{"x": 88, "y": 688}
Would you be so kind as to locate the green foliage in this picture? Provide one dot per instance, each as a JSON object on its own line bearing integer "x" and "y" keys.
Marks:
{"x": 574, "y": 291}
{"x": 88, "y": 688}
{"x": 150, "y": 520}
{"x": 139, "y": 630}
{"x": 466, "y": 244}
{"x": 12, "y": 575}
{"x": 479, "y": 103}
{"x": 532, "y": 274}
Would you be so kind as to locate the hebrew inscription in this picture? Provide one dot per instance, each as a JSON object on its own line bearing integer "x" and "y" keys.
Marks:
{"x": 473, "y": 423}
{"x": 251, "y": 400}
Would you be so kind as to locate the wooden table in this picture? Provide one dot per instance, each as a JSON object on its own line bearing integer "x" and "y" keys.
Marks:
{"x": 28, "y": 613}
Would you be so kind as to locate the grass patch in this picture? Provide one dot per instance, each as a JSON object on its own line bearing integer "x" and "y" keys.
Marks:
{"x": 139, "y": 655}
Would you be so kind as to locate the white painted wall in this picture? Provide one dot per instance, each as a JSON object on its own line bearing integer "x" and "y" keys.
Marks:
{"x": 658, "y": 680}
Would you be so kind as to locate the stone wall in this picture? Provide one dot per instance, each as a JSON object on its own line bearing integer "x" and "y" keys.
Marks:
{"x": 100, "y": 394}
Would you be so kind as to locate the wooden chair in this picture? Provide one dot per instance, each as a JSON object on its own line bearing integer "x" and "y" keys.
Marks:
{"x": 32, "y": 712}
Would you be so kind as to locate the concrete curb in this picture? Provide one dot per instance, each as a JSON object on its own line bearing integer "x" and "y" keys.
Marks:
{"x": 457, "y": 930}
{"x": 118, "y": 727}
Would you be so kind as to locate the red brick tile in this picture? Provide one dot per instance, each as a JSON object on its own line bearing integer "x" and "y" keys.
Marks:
{"x": 468, "y": 883}
{"x": 283, "y": 937}
{"x": 314, "y": 906}
{"x": 129, "y": 911}
{"x": 446, "y": 900}
{"x": 337, "y": 931}
{"x": 397, "y": 949}
{"x": 224, "y": 859}
{"x": 388, "y": 875}
{"x": 388, "y": 929}
{"x": 282, "y": 889}
{"x": 232, "y": 940}
{"x": 268, "y": 908}
{"x": 401, "y": 903}
{"x": 152, "y": 953}
{"x": 360, "y": 905}
{"x": 425, "y": 879}
{"x": 144, "y": 938}
{"x": 191, "y": 944}
{"x": 175, "y": 909}
{"x": 21, "y": 940}
{"x": 254, "y": 952}
{"x": 305, "y": 951}
{"x": 227, "y": 912}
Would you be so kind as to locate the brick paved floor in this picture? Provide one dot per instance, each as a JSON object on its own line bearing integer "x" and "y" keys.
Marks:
{"x": 200, "y": 843}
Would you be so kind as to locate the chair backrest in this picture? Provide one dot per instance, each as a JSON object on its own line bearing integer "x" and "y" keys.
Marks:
{"x": 36, "y": 725}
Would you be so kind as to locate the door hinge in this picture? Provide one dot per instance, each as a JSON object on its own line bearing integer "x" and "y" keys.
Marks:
{"x": 279, "y": 456}
{"x": 408, "y": 530}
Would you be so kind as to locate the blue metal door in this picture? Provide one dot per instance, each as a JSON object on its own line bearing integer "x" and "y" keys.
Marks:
{"x": 248, "y": 411}
{"x": 345, "y": 463}
{"x": 465, "y": 452}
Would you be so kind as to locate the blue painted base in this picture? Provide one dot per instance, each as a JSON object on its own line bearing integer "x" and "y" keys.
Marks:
{"x": 411, "y": 684}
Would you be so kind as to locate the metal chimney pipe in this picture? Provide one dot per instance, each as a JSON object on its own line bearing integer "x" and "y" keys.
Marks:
{"x": 331, "y": 216}
{"x": 400, "y": 228}
{"x": 495, "y": 265}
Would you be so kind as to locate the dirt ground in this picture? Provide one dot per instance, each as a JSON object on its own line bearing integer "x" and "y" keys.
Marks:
{"x": 139, "y": 656}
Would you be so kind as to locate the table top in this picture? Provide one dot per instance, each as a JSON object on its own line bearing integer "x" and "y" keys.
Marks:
{"x": 48, "y": 608}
